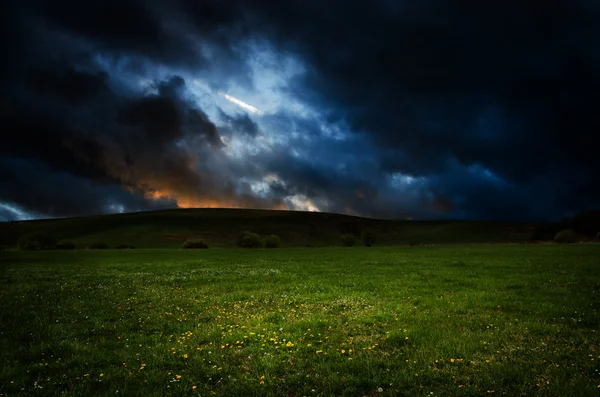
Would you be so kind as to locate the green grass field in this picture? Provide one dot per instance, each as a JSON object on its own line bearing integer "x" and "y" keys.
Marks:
{"x": 456, "y": 320}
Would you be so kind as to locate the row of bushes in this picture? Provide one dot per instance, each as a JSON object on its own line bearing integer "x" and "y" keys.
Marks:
{"x": 367, "y": 236}
{"x": 567, "y": 236}
{"x": 584, "y": 226}
{"x": 253, "y": 240}
{"x": 42, "y": 241}
{"x": 246, "y": 240}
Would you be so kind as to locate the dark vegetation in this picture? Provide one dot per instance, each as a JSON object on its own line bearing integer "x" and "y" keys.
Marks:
{"x": 272, "y": 241}
{"x": 566, "y": 236}
{"x": 250, "y": 240}
{"x": 195, "y": 243}
{"x": 348, "y": 240}
{"x": 36, "y": 241}
{"x": 369, "y": 237}
{"x": 584, "y": 226}
{"x": 222, "y": 228}
{"x": 125, "y": 247}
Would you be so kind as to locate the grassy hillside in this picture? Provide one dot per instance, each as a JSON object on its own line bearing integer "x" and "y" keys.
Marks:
{"x": 452, "y": 320}
{"x": 221, "y": 227}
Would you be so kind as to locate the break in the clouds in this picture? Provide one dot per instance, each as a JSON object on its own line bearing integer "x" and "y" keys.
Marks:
{"x": 420, "y": 109}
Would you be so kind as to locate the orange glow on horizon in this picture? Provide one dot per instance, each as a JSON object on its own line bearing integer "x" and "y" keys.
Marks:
{"x": 190, "y": 202}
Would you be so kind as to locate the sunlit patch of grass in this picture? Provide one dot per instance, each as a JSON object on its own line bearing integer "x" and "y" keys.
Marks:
{"x": 302, "y": 322}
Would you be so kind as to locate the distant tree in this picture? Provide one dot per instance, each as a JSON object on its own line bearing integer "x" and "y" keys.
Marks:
{"x": 195, "y": 243}
{"x": 348, "y": 240}
{"x": 368, "y": 237}
{"x": 272, "y": 241}
{"x": 546, "y": 231}
{"x": 36, "y": 241}
{"x": 566, "y": 236}
{"x": 249, "y": 240}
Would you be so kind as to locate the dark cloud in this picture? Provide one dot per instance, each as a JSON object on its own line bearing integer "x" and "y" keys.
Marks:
{"x": 123, "y": 25}
{"x": 72, "y": 86}
{"x": 40, "y": 189}
{"x": 424, "y": 109}
{"x": 510, "y": 86}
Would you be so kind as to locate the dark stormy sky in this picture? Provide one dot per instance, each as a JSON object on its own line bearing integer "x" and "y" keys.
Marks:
{"x": 416, "y": 109}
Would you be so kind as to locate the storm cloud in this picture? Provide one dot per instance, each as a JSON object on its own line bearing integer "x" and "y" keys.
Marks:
{"x": 429, "y": 109}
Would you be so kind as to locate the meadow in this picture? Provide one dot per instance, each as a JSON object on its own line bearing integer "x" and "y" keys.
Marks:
{"x": 446, "y": 320}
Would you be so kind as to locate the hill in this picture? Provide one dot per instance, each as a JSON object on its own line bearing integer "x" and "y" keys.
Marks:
{"x": 221, "y": 227}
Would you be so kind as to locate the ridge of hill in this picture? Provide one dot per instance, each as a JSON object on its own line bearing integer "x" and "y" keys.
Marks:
{"x": 221, "y": 227}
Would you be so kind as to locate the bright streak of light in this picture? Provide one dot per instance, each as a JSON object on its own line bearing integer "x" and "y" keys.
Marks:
{"x": 19, "y": 214}
{"x": 241, "y": 103}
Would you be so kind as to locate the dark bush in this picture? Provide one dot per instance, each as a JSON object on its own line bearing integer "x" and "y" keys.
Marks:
{"x": 272, "y": 241}
{"x": 250, "y": 240}
{"x": 586, "y": 222}
{"x": 195, "y": 243}
{"x": 368, "y": 237}
{"x": 36, "y": 241}
{"x": 65, "y": 245}
{"x": 98, "y": 246}
{"x": 348, "y": 240}
{"x": 566, "y": 236}
{"x": 125, "y": 247}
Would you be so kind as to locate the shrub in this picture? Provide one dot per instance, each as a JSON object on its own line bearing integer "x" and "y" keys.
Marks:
{"x": 195, "y": 243}
{"x": 368, "y": 237}
{"x": 348, "y": 240}
{"x": 36, "y": 241}
{"x": 250, "y": 240}
{"x": 125, "y": 247}
{"x": 566, "y": 236}
{"x": 65, "y": 245}
{"x": 98, "y": 246}
{"x": 272, "y": 241}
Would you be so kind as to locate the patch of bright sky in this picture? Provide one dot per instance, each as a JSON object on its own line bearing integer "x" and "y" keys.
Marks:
{"x": 260, "y": 188}
{"x": 300, "y": 202}
{"x": 120, "y": 208}
{"x": 19, "y": 213}
{"x": 240, "y": 147}
{"x": 402, "y": 180}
